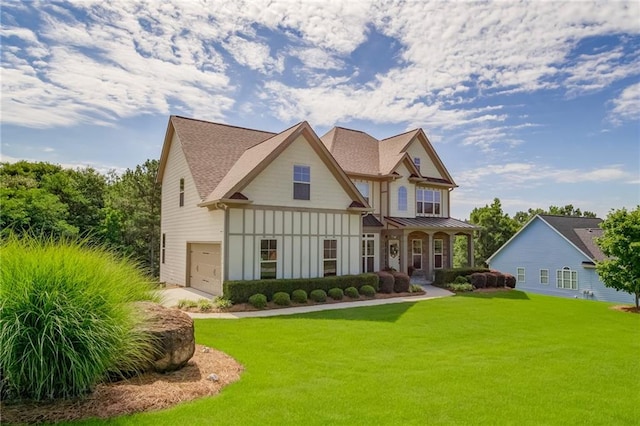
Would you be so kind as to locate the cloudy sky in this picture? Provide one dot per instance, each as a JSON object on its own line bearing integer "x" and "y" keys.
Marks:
{"x": 534, "y": 103}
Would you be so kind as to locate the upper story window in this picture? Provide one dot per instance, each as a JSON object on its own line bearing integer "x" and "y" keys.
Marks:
{"x": 301, "y": 182}
{"x": 416, "y": 161}
{"x": 363, "y": 187}
{"x": 402, "y": 199}
{"x": 428, "y": 202}
{"x": 181, "y": 192}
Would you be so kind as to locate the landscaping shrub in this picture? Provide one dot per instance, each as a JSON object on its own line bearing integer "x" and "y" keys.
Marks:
{"x": 478, "y": 280}
{"x": 222, "y": 303}
{"x": 460, "y": 279}
{"x": 205, "y": 305}
{"x": 500, "y": 279}
{"x": 460, "y": 287}
{"x": 385, "y": 282}
{"x": 368, "y": 291}
{"x": 509, "y": 281}
{"x": 299, "y": 296}
{"x": 66, "y": 318}
{"x": 336, "y": 293}
{"x": 282, "y": 299}
{"x": 443, "y": 276}
{"x": 239, "y": 291}
{"x": 258, "y": 300}
{"x": 491, "y": 279}
{"x": 415, "y": 288}
{"x": 352, "y": 292}
{"x": 402, "y": 282}
{"x": 318, "y": 295}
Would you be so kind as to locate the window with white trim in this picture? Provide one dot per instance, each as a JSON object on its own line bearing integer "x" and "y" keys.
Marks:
{"x": 330, "y": 258}
{"x": 402, "y": 199}
{"x": 363, "y": 187}
{"x": 428, "y": 202}
{"x": 544, "y": 276}
{"x": 368, "y": 252}
{"x": 268, "y": 259}
{"x": 301, "y": 182}
{"x": 567, "y": 278}
{"x": 416, "y": 161}
{"x": 416, "y": 254}
{"x": 438, "y": 253}
{"x": 520, "y": 275}
{"x": 181, "y": 192}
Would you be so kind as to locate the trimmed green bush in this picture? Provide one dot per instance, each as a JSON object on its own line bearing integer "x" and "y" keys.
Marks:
{"x": 336, "y": 293}
{"x": 461, "y": 279}
{"x": 299, "y": 296}
{"x": 318, "y": 295}
{"x": 66, "y": 319}
{"x": 352, "y": 292}
{"x": 444, "y": 276}
{"x": 239, "y": 291}
{"x": 222, "y": 303}
{"x": 415, "y": 288}
{"x": 458, "y": 288}
{"x": 205, "y": 305}
{"x": 368, "y": 291}
{"x": 402, "y": 282}
{"x": 282, "y": 299}
{"x": 385, "y": 281}
{"x": 258, "y": 300}
{"x": 509, "y": 281}
{"x": 479, "y": 280}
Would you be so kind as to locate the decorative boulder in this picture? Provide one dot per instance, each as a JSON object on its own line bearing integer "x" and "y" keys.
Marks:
{"x": 173, "y": 336}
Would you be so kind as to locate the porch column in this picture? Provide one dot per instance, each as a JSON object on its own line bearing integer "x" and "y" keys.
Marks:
{"x": 428, "y": 270}
{"x": 404, "y": 261}
{"x": 452, "y": 241}
{"x": 470, "y": 259}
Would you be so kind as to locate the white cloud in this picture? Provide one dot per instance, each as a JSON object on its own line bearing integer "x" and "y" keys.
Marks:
{"x": 626, "y": 107}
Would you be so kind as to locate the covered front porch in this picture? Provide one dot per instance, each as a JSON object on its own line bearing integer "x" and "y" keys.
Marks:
{"x": 419, "y": 246}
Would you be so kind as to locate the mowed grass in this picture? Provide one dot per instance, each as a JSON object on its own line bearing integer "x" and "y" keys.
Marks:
{"x": 493, "y": 358}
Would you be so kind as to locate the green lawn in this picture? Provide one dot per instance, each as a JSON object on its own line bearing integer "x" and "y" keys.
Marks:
{"x": 493, "y": 358}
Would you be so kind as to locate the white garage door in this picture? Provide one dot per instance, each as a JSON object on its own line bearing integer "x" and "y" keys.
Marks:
{"x": 204, "y": 272}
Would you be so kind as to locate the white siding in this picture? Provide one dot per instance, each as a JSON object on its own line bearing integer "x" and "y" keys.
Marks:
{"x": 427, "y": 166}
{"x": 393, "y": 194}
{"x": 274, "y": 185}
{"x": 300, "y": 236}
{"x": 189, "y": 223}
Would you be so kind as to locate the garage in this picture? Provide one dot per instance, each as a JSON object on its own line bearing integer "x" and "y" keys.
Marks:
{"x": 205, "y": 268}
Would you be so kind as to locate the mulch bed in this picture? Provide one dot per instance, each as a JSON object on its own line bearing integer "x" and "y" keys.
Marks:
{"x": 151, "y": 391}
{"x": 626, "y": 308}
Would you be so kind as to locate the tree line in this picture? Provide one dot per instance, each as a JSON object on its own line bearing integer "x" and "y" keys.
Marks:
{"x": 119, "y": 211}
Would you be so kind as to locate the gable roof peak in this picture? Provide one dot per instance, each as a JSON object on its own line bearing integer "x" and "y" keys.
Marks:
{"x": 220, "y": 124}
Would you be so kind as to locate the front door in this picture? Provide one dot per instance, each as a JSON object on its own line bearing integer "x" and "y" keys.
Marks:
{"x": 394, "y": 254}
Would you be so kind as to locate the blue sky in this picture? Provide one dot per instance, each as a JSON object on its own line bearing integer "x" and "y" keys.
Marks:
{"x": 533, "y": 103}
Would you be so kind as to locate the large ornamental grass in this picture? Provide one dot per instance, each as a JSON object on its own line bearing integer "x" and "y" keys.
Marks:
{"x": 65, "y": 317}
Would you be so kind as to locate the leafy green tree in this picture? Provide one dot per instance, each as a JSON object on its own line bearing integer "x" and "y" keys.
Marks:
{"x": 131, "y": 222}
{"x": 523, "y": 217}
{"x": 620, "y": 242}
{"x": 497, "y": 228}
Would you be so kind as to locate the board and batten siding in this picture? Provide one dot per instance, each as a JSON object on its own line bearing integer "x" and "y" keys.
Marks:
{"x": 540, "y": 247}
{"x": 300, "y": 238}
{"x": 186, "y": 224}
{"x": 393, "y": 194}
{"x": 274, "y": 185}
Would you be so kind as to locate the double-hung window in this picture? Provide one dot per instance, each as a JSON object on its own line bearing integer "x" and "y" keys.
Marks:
{"x": 268, "y": 259}
{"x": 416, "y": 161}
{"x": 301, "y": 182}
{"x": 402, "y": 199}
{"x": 368, "y": 252}
{"x": 520, "y": 275}
{"x": 438, "y": 253}
{"x": 330, "y": 258}
{"x": 428, "y": 202}
{"x": 544, "y": 276}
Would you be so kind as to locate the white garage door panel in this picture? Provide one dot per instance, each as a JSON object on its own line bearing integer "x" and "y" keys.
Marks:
{"x": 205, "y": 268}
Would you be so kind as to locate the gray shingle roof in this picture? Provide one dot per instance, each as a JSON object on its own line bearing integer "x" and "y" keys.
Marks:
{"x": 576, "y": 229}
{"x": 371, "y": 220}
{"x": 432, "y": 223}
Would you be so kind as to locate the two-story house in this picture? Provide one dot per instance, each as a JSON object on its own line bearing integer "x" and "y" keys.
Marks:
{"x": 243, "y": 204}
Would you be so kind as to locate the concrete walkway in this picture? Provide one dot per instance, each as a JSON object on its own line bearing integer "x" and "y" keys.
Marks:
{"x": 172, "y": 295}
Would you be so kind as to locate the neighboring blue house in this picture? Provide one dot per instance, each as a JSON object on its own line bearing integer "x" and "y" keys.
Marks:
{"x": 556, "y": 255}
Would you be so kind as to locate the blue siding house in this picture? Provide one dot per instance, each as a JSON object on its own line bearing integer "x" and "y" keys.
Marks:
{"x": 556, "y": 255}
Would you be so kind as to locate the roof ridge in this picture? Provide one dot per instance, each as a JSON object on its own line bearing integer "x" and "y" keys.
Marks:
{"x": 222, "y": 124}
{"x": 276, "y": 134}
{"x": 400, "y": 134}
{"x": 568, "y": 217}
